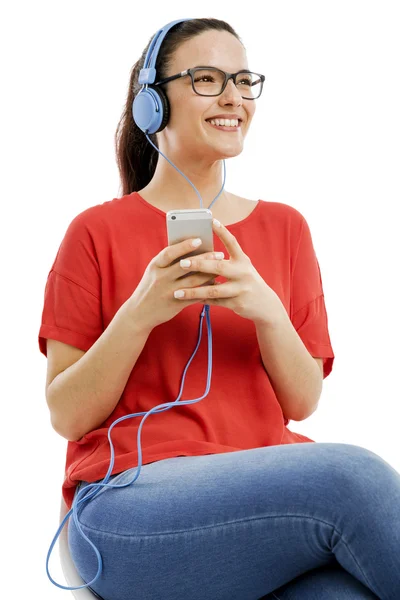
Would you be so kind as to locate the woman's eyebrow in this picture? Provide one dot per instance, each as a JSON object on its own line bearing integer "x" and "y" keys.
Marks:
{"x": 200, "y": 66}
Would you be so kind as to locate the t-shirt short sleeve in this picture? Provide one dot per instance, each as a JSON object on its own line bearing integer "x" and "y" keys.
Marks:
{"x": 308, "y": 309}
{"x": 72, "y": 298}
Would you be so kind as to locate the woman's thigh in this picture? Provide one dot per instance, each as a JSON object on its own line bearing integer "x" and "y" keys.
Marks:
{"x": 240, "y": 525}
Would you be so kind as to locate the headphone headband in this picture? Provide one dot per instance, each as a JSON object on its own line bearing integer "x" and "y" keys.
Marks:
{"x": 148, "y": 73}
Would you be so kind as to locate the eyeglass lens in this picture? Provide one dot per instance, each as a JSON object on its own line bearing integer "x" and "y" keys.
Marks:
{"x": 209, "y": 82}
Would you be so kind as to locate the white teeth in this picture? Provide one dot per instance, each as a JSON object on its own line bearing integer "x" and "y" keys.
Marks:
{"x": 225, "y": 122}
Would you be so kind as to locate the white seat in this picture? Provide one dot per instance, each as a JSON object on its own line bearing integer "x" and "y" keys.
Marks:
{"x": 70, "y": 572}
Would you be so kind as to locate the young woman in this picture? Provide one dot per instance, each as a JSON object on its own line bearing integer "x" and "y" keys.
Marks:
{"x": 229, "y": 503}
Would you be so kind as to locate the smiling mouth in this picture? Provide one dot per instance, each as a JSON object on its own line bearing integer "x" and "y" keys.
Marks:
{"x": 225, "y": 128}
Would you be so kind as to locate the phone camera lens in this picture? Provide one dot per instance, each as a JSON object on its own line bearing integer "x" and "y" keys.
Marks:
{"x": 173, "y": 217}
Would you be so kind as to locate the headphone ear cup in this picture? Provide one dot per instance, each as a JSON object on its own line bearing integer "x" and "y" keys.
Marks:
{"x": 145, "y": 113}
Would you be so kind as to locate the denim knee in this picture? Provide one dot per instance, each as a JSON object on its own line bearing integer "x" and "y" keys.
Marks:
{"x": 366, "y": 477}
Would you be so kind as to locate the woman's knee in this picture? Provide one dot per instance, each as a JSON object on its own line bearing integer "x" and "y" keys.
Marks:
{"x": 364, "y": 462}
{"x": 364, "y": 475}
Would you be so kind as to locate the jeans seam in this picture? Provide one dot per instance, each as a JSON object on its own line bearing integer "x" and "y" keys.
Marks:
{"x": 186, "y": 531}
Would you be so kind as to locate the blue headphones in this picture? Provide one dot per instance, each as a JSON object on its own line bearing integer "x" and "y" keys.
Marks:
{"x": 150, "y": 108}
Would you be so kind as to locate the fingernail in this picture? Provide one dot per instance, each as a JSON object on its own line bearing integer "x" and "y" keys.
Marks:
{"x": 196, "y": 242}
{"x": 216, "y": 222}
{"x": 219, "y": 255}
{"x": 179, "y": 294}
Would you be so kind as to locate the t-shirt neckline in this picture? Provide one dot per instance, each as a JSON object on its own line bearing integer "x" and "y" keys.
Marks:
{"x": 164, "y": 214}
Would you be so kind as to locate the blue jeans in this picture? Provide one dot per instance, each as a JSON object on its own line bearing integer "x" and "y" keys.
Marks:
{"x": 306, "y": 521}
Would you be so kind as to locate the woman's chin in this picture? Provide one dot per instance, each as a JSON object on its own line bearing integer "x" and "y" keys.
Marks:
{"x": 227, "y": 150}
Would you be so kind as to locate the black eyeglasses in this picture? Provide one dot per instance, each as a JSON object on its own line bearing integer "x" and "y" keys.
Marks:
{"x": 210, "y": 81}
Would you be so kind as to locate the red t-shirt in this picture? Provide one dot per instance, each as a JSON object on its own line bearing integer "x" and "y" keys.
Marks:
{"x": 99, "y": 264}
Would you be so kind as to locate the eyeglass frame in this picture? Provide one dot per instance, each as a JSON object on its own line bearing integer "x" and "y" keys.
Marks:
{"x": 228, "y": 76}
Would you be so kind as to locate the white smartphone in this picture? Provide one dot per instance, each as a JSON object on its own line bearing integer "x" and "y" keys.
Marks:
{"x": 190, "y": 223}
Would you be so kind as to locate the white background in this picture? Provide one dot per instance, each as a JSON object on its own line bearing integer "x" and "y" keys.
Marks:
{"x": 324, "y": 139}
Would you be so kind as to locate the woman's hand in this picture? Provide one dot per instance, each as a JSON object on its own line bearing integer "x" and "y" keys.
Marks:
{"x": 152, "y": 300}
{"x": 246, "y": 292}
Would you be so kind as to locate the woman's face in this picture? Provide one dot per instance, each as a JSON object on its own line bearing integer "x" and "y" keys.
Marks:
{"x": 187, "y": 132}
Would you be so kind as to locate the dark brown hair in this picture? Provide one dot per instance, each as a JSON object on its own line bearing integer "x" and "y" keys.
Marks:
{"x": 136, "y": 157}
